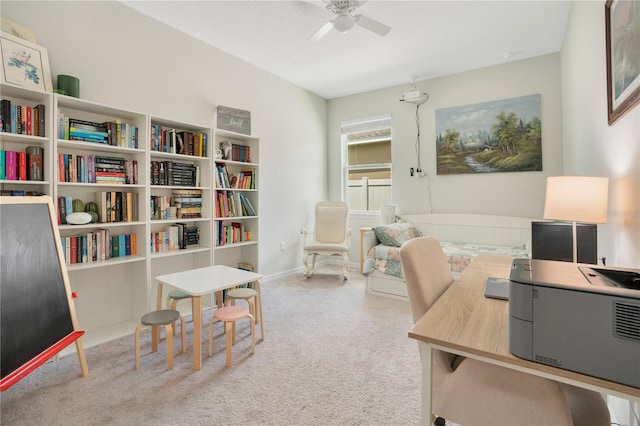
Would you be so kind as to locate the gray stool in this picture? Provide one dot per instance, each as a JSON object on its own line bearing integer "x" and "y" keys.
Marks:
{"x": 174, "y": 297}
{"x": 172, "y": 302}
{"x": 166, "y": 318}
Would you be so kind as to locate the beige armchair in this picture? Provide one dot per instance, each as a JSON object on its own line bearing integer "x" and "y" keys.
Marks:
{"x": 472, "y": 392}
{"x": 331, "y": 236}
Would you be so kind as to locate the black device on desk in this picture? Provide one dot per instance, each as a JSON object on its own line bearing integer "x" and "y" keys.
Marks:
{"x": 554, "y": 241}
{"x": 577, "y": 317}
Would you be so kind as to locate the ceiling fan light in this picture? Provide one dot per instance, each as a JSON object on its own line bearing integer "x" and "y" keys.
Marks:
{"x": 343, "y": 23}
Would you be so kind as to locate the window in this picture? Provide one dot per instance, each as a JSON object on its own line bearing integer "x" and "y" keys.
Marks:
{"x": 367, "y": 163}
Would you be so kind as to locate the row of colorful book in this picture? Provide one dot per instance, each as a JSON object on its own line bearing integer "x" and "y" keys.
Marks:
{"x": 178, "y": 142}
{"x": 22, "y": 165}
{"x": 233, "y": 204}
{"x": 241, "y": 180}
{"x": 114, "y": 133}
{"x": 177, "y": 236}
{"x": 234, "y": 232}
{"x": 97, "y": 169}
{"x": 96, "y": 246}
{"x": 22, "y": 119}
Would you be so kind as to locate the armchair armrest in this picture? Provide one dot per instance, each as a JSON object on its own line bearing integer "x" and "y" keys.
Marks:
{"x": 369, "y": 240}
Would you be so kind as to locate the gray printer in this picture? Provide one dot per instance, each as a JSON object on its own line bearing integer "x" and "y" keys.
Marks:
{"x": 578, "y": 317}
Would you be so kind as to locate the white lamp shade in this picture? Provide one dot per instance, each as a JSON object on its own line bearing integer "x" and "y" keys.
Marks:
{"x": 577, "y": 199}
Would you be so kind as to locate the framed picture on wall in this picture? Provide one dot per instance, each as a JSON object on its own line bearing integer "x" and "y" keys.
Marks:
{"x": 24, "y": 63}
{"x": 622, "y": 26}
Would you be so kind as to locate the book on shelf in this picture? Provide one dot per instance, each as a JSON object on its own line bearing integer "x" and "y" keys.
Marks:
{"x": 11, "y": 165}
{"x": 97, "y": 246}
{"x": 114, "y": 133}
{"x": 96, "y": 169}
{"x": 117, "y": 206}
{"x": 172, "y": 173}
{"x": 35, "y": 158}
{"x": 22, "y": 119}
{"x": 247, "y": 207}
{"x": 177, "y": 142}
{"x": 22, "y": 165}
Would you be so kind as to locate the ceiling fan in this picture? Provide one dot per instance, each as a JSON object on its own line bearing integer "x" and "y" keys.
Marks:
{"x": 345, "y": 20}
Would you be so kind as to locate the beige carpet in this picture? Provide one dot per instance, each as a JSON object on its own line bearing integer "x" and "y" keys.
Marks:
{"x": 332, "y": 356}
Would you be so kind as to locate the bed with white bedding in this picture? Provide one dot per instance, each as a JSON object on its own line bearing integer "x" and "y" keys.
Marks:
{"x": 462, "y": 237}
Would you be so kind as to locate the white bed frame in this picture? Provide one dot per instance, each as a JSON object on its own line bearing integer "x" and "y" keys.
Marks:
{"x": 459, "y": 228}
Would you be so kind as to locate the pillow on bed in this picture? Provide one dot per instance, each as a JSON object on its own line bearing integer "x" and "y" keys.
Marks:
{"x": 396, "y": 233}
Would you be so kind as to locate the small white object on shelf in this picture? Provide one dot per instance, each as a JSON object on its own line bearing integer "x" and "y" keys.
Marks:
{"x": 78, "y": 218}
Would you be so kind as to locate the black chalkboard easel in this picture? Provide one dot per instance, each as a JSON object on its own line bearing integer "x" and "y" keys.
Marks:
{"x": 37, "y": 313}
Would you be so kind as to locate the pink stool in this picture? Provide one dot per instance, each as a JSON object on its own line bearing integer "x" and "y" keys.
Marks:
{"x": 229, "y": 315}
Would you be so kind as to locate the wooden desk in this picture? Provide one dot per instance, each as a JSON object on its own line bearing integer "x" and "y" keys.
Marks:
{"x": 198, "y": 282}
{"x": 466, "y": 323}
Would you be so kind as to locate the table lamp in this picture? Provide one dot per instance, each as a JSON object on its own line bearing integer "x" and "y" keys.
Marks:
{"x": 576, "y": 199}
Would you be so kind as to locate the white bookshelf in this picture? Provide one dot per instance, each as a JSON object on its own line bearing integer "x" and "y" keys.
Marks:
{"x": 113, "y": 294}
{"x": 231, "y": 253}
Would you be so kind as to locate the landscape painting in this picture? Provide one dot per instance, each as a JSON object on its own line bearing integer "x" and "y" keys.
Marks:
{"x": 496, "y": 136}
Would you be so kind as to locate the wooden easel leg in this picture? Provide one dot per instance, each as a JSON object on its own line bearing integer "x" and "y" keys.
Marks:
{"x": 84, "y": 370}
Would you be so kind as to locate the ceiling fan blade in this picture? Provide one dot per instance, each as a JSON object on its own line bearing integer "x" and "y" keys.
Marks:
{"x": 372, "y": 25}
{"x": 321, "y": 32}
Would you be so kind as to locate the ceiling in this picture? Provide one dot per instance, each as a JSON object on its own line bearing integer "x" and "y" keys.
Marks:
{"x": 428, "y": 38}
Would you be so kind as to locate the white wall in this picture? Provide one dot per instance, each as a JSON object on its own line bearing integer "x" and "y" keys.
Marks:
{"x": 510, "y": 194}
{"x": 125, "y": 59}
{"x": 590, "y": 145}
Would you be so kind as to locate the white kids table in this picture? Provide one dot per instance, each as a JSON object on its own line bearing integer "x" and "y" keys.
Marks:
{"x": 202, "y": 281}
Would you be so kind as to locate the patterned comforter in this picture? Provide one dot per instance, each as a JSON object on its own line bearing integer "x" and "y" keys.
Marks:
{"x": 386, "y": 259}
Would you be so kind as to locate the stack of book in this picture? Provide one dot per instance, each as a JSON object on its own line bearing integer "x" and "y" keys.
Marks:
{"x": 97, "y": 169}
{"x": 193, "y": 235}
{"x": 110, "y": 170}
{"x": 88, "y": 131}
{"x": 114, "y": 133}
{"x": 188, "y": 203}
{"x": 21, "y": 119}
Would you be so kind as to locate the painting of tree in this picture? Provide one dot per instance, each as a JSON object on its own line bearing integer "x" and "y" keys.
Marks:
{"x": 495, "y": 136}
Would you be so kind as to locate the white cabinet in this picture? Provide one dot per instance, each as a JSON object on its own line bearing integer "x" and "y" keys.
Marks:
{"x": 237, "y": 182}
